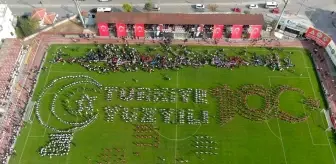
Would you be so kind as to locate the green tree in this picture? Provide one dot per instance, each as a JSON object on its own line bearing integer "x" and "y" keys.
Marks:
{"x": 148, "y": 5}
{"x": 127, "y": 7}
{"x": 27, "y": 26}
{"x": 247, "y": 12}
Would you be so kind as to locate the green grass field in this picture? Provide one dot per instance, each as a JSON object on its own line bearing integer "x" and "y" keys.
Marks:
{"x": 240, "y": 141}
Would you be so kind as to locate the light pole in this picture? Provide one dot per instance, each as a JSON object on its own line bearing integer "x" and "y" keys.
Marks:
{"x": 79, "y": 13}
{"x": 282, "y": 12}
{"x": 300, "y": 7}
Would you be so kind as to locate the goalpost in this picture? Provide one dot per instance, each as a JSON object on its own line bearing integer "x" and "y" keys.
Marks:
{"x": 29, "y": 110}
{"x": 329, "y": 117}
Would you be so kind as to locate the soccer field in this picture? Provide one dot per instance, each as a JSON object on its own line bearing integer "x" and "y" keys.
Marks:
{"x": 173, "y": 126}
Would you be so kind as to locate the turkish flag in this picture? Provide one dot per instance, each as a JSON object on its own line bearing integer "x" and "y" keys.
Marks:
{"x": 217, "y": 31}
{"x": 236, "y": 32}
{"x": 121, "y": 30}
{"x": 103, "y": 29}
{"x": 139, "y": 30}
{"x": 255, "y": 31}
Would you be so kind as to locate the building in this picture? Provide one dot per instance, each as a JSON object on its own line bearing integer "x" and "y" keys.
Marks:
{"x": 7, "y": 29}
{"x": 179, "y": 26}
{"x": 43, "y": 17}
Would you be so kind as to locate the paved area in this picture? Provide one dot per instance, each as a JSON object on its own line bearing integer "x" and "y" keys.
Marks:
{"x": 318, "y": 12}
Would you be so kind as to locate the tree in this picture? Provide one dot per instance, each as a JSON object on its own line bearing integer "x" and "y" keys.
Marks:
{"x": 127, "y": 7}
{"x": 27, "y": 26}
{"x": 212, "y": 7}
{"x": 148, "y": 5}
{"x": 247, "y": 12}
{"x": 273, "y": 23}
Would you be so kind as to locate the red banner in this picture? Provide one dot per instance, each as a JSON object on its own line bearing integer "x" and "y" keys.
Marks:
{"x": 236, "y": 32}
{"x": 121, "y": 30}
{"x": 217, "y": 31}
{"x": 255, "y": 31}
{"x": 139, "y": 30}
{"x": 103, "y": 29}
{"x": 318, "y": 36}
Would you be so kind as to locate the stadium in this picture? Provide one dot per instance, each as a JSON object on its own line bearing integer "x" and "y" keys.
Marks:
{"x": 171, "y": 91}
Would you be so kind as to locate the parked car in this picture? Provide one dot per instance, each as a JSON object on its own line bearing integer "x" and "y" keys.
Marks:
{"x": 199, "y": 6}
{"x": 275, "y": 11}
{"x": 253, "y": 6}
{"x": 236, "y": 9}
{"x": 156, "y": 7}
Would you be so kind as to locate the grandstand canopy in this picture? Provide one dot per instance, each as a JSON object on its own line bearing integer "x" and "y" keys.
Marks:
{"x": 178, "y": 18}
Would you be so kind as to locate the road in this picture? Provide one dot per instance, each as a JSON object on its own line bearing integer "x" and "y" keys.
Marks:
{"x": 318, "y": 11}
{"x": 67, "y": 6}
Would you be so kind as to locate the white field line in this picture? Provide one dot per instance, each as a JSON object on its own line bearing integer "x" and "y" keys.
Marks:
{"x": 175, "y": 159}
{"x": 282, "y": 144}
{"x": 290, "y": 77}
{"x": 181, "y": 139}
{"x": 70, "y": 72}
{"x": 311, "y": 83}
{"x": 36, "y": 136}
{"x": 280, "y": 137}
{"x": 25, "y": 144}
{"x": 270, "y": 83}
{"x": 272, "y": 130}
{"x": 309, "y": 129}
{"x": 45, "y": 130}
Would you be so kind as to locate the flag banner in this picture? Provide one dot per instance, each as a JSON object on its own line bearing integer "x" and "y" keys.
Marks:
{"x": 121, "y": 30}
{"x": 255, "y": 31}
{"x": 236, "y": 31}
{"x": 139, "y": 30}
{"x": 217, "y": 31}
{"x": 103, "y": 29}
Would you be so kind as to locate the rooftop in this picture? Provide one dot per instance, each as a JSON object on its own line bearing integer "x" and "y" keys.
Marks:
{"x": 39, "y": 13}
{"x": 3, "y": 9}
{"x": 177, "y": 18}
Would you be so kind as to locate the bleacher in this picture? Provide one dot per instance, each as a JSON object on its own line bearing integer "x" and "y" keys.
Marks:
{"x": 9, "y": 54}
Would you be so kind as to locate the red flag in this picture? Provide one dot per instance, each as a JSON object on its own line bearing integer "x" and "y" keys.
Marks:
{"x": 103, "y": 29}
{"x": 139, "y": 30}
{"x": 236, "y": 31}
{"x": 217, "y": 31}
{"x": 255, "y": 31}
{"x": 121, "y": 30}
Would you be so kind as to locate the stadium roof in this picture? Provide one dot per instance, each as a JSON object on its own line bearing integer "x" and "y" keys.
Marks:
{"x": 177, "y": 18}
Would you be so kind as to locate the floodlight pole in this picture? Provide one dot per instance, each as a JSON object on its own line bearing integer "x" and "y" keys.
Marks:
{"x": 282, "y": 12}
{"x": 79, "y": 13}
{"x": 300, "y": 7}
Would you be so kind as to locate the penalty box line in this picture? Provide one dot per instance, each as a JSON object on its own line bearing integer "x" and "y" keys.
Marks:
{"x": 311, "y": 83}
{"x": 309, "y": 129}
{"x": 27, "y": 138}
